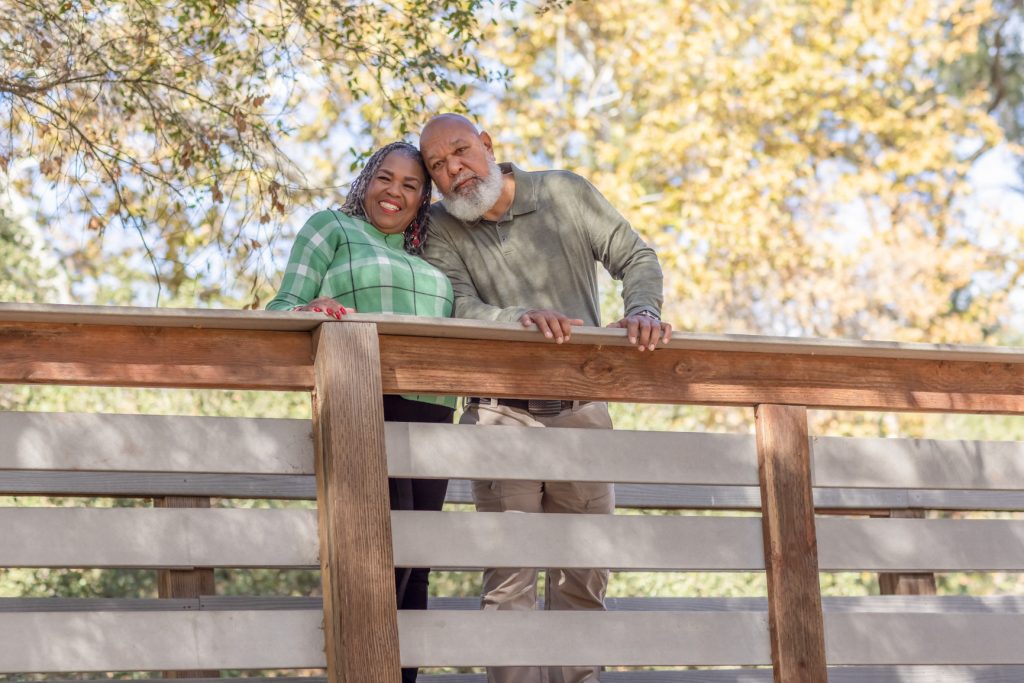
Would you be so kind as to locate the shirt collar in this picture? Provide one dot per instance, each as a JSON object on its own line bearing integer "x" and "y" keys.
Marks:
{"x": 525, "y": 200}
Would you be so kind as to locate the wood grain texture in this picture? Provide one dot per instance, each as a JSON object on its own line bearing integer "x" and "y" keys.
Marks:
{"x": 357, "y": 568}
{"x": 520, "y": 369}
{"x": 405, "y": 325}
{"x": 108, "y": 355}
{"x": 907, "y": 583}
{"x": 185, "y": 583}
{"x": 790, "y": 546}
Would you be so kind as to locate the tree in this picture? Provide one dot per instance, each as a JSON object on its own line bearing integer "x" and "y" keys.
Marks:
{"x": 173, "y": 119}
{"x": 800, "y": 167}
{"x": 998, "y": 66}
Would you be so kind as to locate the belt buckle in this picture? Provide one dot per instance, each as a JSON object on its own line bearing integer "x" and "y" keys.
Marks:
{"x": 544, "y": 408}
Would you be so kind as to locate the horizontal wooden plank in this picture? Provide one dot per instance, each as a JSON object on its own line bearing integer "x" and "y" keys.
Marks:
{"x": 303, "y": 487}
{"x": 712, "y": 377}
{"x": 175, "y": 538}
{"x": 837, "y": 674}
{"x": 859, "y": 674}
{"x": 146, "y": 641}
{"x": 500, "y": 452}
{"x": 877, "y": 639}
{"x": 155, "y": 443}
{"x": 158, "y": 538}
{"x": 112, "y": 355}
{"x": 637, "y": 543}
{"x": 204, "y": 318}
{"x": 208, "y": 445}
{"x": 626, "y": 542}
{"x": 438, "y": 638}
{"x": 920, "y": 545}
{"x": 151, "y": 484}
{"x": 918, "y": 463}
{"x": 104, "y": 641}
{"x": 868, "y": 604}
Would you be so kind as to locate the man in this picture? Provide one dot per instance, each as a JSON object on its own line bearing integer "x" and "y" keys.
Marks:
{"x": 522, "y": 246}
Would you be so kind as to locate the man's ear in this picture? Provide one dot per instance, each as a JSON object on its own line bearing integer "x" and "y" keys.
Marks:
{"x": 486, "y": 139}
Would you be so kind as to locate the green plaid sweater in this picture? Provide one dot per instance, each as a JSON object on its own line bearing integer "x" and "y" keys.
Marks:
{"x": 352, "y": 262}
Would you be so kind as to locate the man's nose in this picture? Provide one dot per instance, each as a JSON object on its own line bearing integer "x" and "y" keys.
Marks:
{"x": 454, "y": 167}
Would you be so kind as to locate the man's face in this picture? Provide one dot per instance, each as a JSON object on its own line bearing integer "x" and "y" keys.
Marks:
{"x": 457, "y": 157}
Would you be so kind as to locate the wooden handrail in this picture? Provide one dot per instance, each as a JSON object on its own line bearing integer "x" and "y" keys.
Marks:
{"x": 347, "y": 363}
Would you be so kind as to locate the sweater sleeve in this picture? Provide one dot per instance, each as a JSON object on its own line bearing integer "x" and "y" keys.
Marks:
{"x": 311, "y": 256}
{"x": 441, "y": 253}
{"x": 622, "y": 252}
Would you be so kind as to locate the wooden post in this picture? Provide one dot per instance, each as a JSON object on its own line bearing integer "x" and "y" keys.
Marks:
{"x": 357, "y": 566}
{"x": 185, "y": 583}
{"x": 795, "y": 619}
{"x": 908, "y": 583}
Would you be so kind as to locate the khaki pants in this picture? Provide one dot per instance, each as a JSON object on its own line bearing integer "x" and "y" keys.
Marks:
{"x": 566, "y": 589}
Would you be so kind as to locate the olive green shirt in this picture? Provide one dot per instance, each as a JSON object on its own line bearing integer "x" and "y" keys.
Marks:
{"x": 543, "y": 252}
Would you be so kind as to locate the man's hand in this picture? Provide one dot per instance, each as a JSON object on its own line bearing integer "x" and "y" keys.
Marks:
{"x": 645, "y": 331}
{"x": 327, "y": 306}
{"x": 553, "y": 324}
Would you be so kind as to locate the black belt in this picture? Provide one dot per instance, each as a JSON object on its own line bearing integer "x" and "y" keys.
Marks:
{"x": 532, "y": 406}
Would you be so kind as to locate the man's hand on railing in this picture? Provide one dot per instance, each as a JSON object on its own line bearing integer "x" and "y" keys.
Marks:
{"x": 645, "y": 330}
{"x": 327, "y": 306}
{"x": 553, "y": 324}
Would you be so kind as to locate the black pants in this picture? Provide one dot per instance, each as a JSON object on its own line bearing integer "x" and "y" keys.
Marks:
{"x": 414, "y": 494}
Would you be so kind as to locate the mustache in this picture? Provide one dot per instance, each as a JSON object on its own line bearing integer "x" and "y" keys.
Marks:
{"x": 462, "y": 178}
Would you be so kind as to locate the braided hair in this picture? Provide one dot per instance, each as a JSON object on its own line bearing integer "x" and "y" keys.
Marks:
{"x": 416, "y": 232}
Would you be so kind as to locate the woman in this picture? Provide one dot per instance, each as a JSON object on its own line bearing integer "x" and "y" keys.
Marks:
{"x": 364, "y": 256}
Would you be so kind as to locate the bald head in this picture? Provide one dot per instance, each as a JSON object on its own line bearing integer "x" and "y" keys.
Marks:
{"x": 447, "y": 122}
{"x": 461, "y": 163}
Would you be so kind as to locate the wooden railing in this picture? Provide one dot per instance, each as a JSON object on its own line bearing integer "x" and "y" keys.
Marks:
{"x": 357, "y": 540}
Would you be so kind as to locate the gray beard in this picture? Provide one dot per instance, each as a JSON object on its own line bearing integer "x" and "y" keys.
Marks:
{"x": 478, "y": 200}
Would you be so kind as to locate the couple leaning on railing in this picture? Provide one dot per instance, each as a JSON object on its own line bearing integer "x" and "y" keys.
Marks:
{"x": 503, "y": 245}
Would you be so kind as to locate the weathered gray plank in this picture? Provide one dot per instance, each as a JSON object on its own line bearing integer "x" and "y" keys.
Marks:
{"x": 864, "y": 604}
{"x": 861, "y": 674}
{"x": 121, "y": 537}
{"x": 920, "y": 545}
{"x": 151, "y": 484}
{"x": 878, "y": 639}
{"x": 479, "y": 539}
{"x": 154, "y": 443}
{"x": 145, "y": 641}
{"x": 647, "y": 496}
{"x": 442, "y": 451}
{"x": 438, "y": 638}
{"x": 918, "y": 463}
{"x": 158, "y": 538}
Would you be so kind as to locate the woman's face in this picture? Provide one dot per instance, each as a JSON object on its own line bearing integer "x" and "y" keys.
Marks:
{"x": 394, "y": 192}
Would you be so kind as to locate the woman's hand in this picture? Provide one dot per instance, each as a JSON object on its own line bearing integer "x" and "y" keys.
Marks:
{"x": 327, "y": 306}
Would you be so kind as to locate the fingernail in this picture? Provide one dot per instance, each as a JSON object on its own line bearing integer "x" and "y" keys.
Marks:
{"x": 317, "y": 310}
{"x": 650, "y": 347}
{"x": 632, "y": 340}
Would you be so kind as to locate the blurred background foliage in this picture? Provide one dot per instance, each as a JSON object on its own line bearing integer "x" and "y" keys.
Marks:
{"x": 819, "y": 168}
